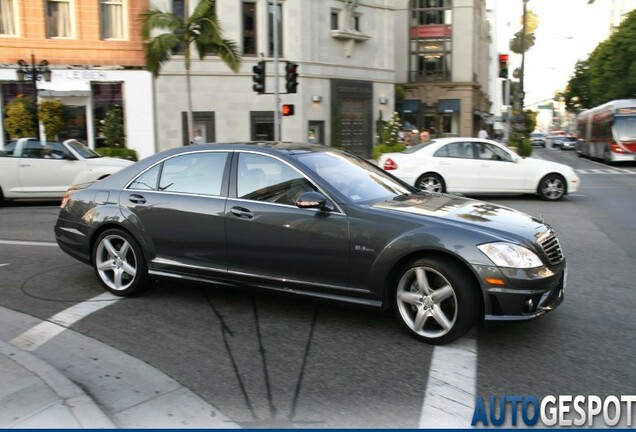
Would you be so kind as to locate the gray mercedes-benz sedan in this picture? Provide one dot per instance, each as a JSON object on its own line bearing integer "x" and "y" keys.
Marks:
{"x": 316, "y": 221}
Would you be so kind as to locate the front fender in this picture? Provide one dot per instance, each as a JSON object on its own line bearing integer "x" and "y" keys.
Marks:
{"x": 434, "y": 240}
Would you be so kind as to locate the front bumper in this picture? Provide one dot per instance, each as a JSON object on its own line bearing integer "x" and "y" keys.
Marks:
{"x": 525, "y": 294}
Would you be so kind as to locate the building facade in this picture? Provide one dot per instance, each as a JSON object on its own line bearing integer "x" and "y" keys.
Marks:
{"x": 350, "y": 54}
{"x": 445, "y": 66}
{"x": 95, "y": 54}
{"x": 344, "y": 50}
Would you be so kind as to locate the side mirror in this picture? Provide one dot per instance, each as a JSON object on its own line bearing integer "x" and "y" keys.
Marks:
{"x": 311, "y": 200}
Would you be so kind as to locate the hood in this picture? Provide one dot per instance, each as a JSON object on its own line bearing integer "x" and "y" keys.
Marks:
{"x": 479, "y": 215}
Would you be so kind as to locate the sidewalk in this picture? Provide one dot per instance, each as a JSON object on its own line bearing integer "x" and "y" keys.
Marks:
{"x": 35, "y": 395}
{"x": 75, "y": 382}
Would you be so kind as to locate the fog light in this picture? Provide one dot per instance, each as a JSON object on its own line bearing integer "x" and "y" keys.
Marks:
{"x": 528, "y": 305}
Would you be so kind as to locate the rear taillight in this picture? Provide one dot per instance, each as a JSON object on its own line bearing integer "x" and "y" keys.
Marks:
{"x": 615, "y": 148}
{"x": 390, "y": 164}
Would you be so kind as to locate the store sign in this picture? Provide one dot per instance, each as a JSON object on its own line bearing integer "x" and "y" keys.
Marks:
{"x": 79, "y": 74}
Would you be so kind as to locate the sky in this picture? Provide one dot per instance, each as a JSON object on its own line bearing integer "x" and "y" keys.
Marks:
{"x": 568, "y": 31}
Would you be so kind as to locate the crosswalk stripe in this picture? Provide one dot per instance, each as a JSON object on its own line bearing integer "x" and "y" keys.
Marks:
{"x": 620, "y": 171}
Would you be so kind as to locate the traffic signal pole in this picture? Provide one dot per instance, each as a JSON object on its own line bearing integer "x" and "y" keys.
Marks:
{"x": 277, "y": 101}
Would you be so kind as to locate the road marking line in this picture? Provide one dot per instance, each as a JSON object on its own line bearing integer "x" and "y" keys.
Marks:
{"x": 37, "y": 336}
{"x": 27, "y": 243}
{"x": 451, "y": 388}
{"x": 4, "y": 264}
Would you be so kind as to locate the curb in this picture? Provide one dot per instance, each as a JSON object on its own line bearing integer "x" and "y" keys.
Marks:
{"x": 80, "y": 405}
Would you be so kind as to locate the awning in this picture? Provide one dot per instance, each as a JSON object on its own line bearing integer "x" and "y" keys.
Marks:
{"x": 448, "y": 106}
{"x": 409, "y": 106}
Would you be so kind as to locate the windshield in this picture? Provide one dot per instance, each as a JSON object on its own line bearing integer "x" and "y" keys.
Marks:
{"x": 625, "y": 128}
{"x": 82, "y": 150}
{"x": 352, "y": 177}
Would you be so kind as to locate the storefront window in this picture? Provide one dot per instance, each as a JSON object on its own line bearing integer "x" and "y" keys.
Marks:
{"x": 106, "y": 96}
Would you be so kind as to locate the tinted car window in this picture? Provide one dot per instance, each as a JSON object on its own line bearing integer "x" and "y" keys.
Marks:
{"x": 263, "y": 178}
{"x": 148, "y": 180}
{"x": 196, "y": 173}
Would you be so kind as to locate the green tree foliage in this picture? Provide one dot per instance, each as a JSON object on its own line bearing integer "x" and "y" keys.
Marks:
{"x": 201, "y": 30}
{"x": 20, "y": 118}
{"x": 577, "y": 92}
{"x": 518, "y": 43}
{"x": 389, "y": 140}
{"x": 609, "y": 72}
{"x": 51, "y": 113}
{"x": 114, "y": 127}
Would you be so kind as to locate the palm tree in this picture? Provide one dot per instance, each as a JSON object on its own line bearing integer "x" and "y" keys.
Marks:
{"x": 201, "y": 29}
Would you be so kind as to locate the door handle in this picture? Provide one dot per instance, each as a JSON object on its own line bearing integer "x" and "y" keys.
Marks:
{"x": 242, "y": 212}
{"x": 444, "y": 163}
{"x": 137, "y": 199}
{"x": 23, "y": 165}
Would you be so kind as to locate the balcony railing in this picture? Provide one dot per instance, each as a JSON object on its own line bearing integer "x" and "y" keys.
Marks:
{"x": 417, "y": 76}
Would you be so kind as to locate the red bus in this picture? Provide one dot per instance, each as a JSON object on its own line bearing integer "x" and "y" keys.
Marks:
{"x": 608, "y": 132}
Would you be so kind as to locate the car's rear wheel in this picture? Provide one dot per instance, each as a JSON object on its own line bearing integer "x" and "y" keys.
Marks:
{"x": 119, "y": 263}
{"x": 436, "y": 300}
{"x": 552, "y": 187}
{"x": 431, "y": 182}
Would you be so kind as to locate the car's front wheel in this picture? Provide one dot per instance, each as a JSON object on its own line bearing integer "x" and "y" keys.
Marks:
{"x": 119, "y": 263}
{"x": 430, "y": 182}
{"x": 436, "y": 300}
{"x": 552, "y": 187}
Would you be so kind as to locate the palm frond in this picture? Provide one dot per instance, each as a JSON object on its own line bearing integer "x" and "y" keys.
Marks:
{"x": 226, "y": 49}
{"x": 158, "y": 51}
{"x": 204, "y": 9}
{"x": 158, "y": 20}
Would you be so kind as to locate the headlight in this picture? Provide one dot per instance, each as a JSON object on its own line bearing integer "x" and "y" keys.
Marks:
{"x": 510, "y": 255}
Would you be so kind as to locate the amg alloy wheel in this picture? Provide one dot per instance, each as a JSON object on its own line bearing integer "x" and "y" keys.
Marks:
{"x": 119, "y": 263}
{"x": 436, "y": 301}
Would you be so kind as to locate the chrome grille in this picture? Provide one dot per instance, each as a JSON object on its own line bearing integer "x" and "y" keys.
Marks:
{"x": 551, "y": 247}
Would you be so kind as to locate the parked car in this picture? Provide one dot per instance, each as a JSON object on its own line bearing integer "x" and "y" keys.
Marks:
{"x": 569, "y": 143}
{"x": 32, "y": 170}
{"x": 318, "y": 222}
{"x": 474, "y": 166}
{"x": 537, "y": 139}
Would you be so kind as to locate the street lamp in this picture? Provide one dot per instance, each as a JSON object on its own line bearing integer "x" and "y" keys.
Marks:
{"x": 34, "y": 73}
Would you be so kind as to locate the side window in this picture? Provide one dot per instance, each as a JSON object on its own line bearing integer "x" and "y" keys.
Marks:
{"x": 462, "y": 150}
{"x": 148, "y": 180}
{"x": 197, "y": 173}
{"x": 263, "y": 178}
{"x": 491, "y": 152}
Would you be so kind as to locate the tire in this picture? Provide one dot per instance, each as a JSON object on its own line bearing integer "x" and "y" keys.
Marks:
{"x": 436, "y": 300}
{"x": 552, "y": 187}
{"x": 431, "y": 182}
{"x": 119, "y": 263}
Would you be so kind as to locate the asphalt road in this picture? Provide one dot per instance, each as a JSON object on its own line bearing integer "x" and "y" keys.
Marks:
{"x": 272, "y": 360}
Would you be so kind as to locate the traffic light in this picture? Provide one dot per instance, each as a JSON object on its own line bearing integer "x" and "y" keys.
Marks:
{"x": 259, "y": 77}
{"x": 287, "y": 110}
{"x": 503, "y": 66}
{"x": 291, "y": 77}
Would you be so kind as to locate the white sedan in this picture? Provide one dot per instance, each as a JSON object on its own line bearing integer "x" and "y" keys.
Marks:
{"x": 474, "y": 166}
{"x": 32, "y": 170}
